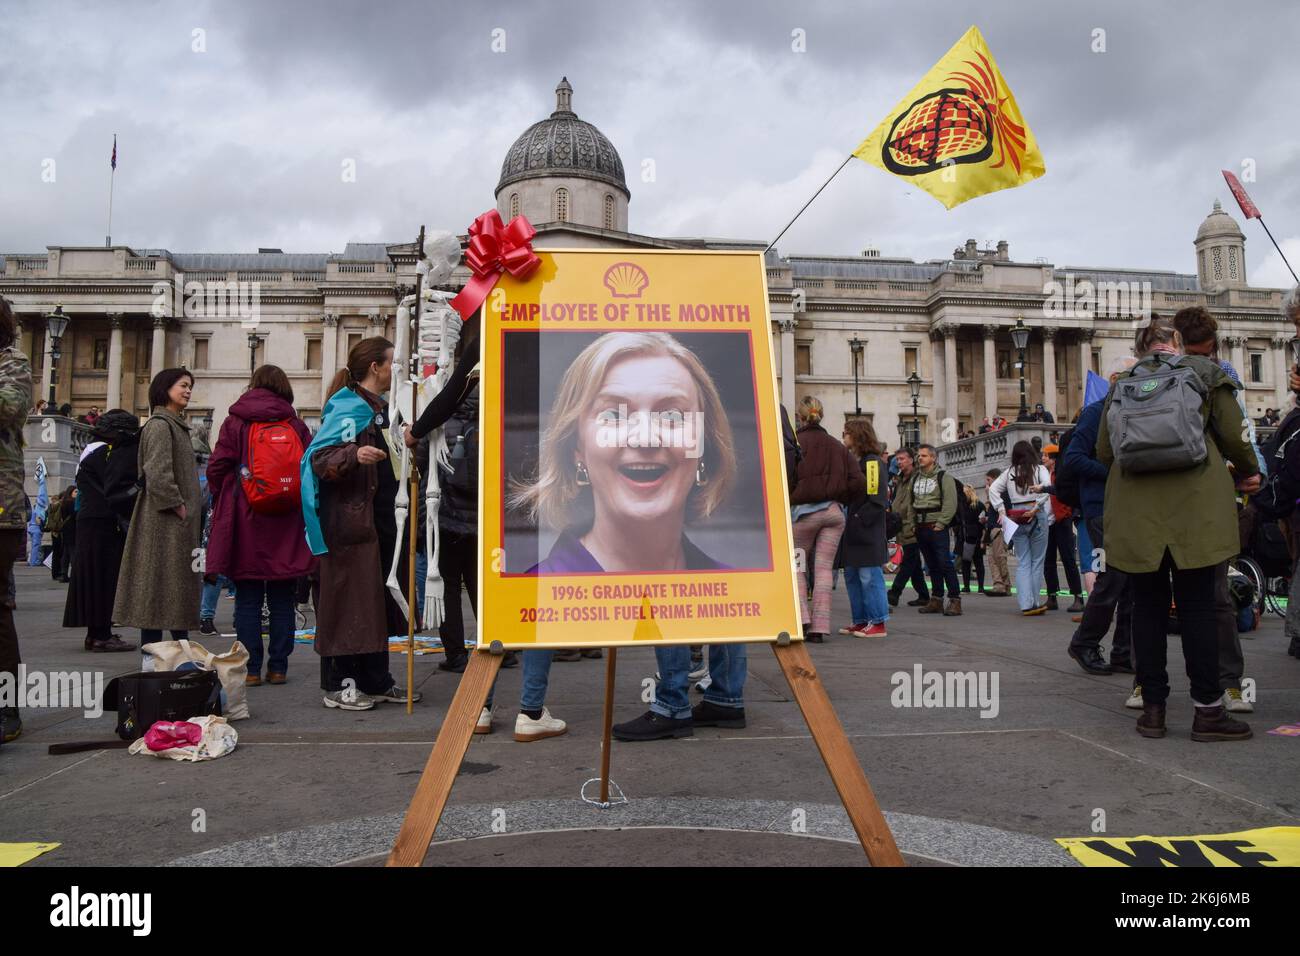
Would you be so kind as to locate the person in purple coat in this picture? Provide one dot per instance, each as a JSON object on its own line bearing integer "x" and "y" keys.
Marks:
{"x": 263, "y": 553}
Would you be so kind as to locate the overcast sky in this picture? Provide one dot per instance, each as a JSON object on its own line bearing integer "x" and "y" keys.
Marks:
{"x": 242, "y": 143}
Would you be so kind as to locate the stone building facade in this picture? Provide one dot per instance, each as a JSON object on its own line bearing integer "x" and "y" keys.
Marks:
{"x": 848, "y": 329}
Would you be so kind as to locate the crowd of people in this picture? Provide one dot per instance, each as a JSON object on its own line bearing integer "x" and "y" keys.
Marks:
{"x": 283, "y": 515}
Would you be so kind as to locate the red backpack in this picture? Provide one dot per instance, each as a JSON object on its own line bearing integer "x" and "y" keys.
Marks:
{"x": 270, "y": 475}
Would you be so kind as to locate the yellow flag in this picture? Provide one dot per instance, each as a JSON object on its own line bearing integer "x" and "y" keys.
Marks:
{"x": 959, "y": 133}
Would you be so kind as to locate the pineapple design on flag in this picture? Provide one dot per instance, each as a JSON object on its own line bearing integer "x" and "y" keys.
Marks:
{"x": 959, "y": 133}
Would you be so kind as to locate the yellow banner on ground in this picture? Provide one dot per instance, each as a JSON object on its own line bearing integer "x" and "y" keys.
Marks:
{"x": 16, "y": 854}
{"x": 632, "y": 484}
{"x": 959, "y": 133}
{"x": 1270, "y": 846}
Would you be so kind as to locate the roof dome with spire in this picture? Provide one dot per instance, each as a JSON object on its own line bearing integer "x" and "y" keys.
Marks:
{"x": 563, "y": 145}
{"x": 1219, "y": 223}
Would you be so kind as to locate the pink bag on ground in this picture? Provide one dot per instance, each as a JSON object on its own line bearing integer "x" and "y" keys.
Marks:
{"x": 164, "y": 736}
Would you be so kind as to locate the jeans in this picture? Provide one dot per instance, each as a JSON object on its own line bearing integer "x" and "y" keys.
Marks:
{"x": 936, "y": 550}
{"x": 866, "y": 587}
{"x": 1111, "y": 599}
{"x": 248, "y": 623}
{"x": 208, "y": 605}
{"x": 1031, "y": 549}
{"x": 727, "y": 668}
{"x": 1193, "y": 590}
{"x": 909, "y": 570}
{"x": 537, "y": 675}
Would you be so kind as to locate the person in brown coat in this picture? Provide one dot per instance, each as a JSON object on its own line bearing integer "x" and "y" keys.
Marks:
{"x": 347, "y": 491}
{"x": 828, "y": 477}
{"x": 159, "y": 584}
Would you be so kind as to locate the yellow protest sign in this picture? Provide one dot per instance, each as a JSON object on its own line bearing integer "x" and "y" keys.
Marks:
{"x": 632, "y": 484}
{"x": 1270, "y": 846}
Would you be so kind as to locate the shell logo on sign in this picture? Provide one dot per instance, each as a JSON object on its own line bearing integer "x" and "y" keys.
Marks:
{"x": 626, "y": 280}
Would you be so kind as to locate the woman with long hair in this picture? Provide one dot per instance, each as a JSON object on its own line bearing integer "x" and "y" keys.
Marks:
{"x": 260, "y": 546}
{"x": 1016, "y": 496}
{"x": 1170, "y": 529}
{"x": 828, "y": 476}
{"x": 348, "y": 487}
{"x": 864, "y": 547}
{"x": 159, "y": 585}
{"x": 972, "y": 540}
{"x": 106, "y": 493}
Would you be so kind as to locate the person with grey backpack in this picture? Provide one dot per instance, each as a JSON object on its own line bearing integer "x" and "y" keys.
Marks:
{"x": 1170, "y": 427}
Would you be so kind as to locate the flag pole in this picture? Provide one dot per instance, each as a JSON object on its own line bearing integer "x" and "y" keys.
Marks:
{"x": 112, "y": 175}
{"x": 807, "y": 204}
{"x": 1279, "y": 250}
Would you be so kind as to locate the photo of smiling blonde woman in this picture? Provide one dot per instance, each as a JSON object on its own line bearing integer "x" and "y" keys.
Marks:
{"x": 638, "y": 447}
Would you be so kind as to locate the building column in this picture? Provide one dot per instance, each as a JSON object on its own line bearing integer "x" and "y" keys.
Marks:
{"x": 950, "y": 375}
{"x": 1085, "y": 356}
{"x": 1281, "y": 392}
{"x": 939, "y": 383}
{"x": 1236, "y": 354}
{"x": 990, "y": 372}
{"x": 376, "y": 326}
{"x": 115, "y": 322}
{"x": 787, "y": 364}
{"x": 1049, "y": 370}
{"x": 49, "y": 379}
{"x": 329, "y": 352}
{"x": 158, "y": 352}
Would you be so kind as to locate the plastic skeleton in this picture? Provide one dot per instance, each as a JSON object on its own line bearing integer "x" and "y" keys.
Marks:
{"x": 425, "y": 358}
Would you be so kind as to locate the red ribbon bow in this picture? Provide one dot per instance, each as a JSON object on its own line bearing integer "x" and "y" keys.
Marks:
{"x": 495, "y": 248}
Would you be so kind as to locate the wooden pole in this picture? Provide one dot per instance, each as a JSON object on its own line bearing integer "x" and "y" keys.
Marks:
{"x": 845, "y": 770}
{"x": 440, "y": 770}
{"x": 610, "y": 663}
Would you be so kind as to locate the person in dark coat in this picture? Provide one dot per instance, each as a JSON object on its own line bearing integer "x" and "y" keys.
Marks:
{"x": 61, "y": 523}
{"x": 106, "y": 495}
{"x": 863, "y": 546}
{"x": 264, "y": 554}
{"x": 971, "y": 529}
{"x": 348, "y": 487}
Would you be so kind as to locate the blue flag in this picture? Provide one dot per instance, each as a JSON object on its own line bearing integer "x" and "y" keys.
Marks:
{"x": 1095, "y": 388}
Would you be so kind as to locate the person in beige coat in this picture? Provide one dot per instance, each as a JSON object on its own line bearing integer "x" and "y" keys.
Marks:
{"x": 159, "y": 585}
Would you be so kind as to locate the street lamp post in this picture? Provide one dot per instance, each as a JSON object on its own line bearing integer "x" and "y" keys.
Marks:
{"x": 1020, "y": 336}
{"x": 914, "y": 385}
{"x": 252, "y": 352}
{"x": 56, "y": 323}
{"x": 855, "y": 346}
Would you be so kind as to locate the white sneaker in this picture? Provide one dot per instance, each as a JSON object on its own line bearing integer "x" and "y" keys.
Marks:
{"x": 1235, "y": 703}
{"x": 397, "y": 695}
{"x": 484, "y": 724}
{"x": 349, "y": 700}
{"x": 701, "y": 670}
{"x": 527, "y": 729}
{"x": 704, "y": 683}
{"x": 1134, "y": 701}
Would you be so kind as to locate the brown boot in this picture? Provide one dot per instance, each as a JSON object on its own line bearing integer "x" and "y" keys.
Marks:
{"x": 933, "y": 606}
{"x": 954, "y": 608}
{"x": 1152, "y": 721}
{"x": 1213, "y": 723}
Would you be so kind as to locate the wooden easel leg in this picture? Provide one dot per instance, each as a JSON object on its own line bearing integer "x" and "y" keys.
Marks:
{"x": 845, "y": 770}
{"x": 448, "y": 751}
{"x": 611, "y": 661}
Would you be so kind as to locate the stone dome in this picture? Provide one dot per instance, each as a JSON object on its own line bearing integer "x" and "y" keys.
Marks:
{"x": 563, "y": 145}
{"x": 1219, "y": 224}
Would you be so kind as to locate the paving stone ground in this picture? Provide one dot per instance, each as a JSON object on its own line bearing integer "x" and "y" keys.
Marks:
{"x": 314, "y": 786}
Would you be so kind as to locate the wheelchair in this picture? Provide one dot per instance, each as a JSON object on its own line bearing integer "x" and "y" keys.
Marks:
{"x": 1265, "y": 561}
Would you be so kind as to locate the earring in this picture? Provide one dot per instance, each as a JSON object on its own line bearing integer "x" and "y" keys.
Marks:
{"x": 582, "y": 477}
{"x": 701, "y": 479}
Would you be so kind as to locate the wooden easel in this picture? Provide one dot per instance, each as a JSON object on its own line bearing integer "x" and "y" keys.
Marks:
{"x": 449, "y": 748}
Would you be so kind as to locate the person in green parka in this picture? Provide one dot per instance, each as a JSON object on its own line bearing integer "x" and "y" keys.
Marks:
{"x": 1170, "y": 529}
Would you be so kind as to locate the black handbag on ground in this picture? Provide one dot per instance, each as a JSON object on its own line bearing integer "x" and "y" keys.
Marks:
{"x": 147, "y": 697}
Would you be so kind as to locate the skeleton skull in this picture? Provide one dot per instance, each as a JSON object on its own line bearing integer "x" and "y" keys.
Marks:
{"x": 442, "y": 250}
